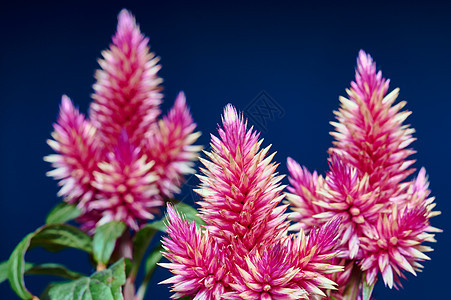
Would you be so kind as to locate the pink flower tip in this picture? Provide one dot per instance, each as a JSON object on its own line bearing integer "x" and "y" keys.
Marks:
{"x": 230, "y": 115}
{"x": 126, "y": 21}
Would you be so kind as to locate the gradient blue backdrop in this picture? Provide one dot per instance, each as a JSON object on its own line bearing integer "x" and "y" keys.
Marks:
{"x": 302, "y": 55}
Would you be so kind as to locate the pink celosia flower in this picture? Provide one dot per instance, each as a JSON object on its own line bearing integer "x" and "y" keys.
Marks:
{"x": 198, "y": 262}
{"x": 369, "y": 132}
{"x": 127, "y": 185}
{"x": 268, "y": 274}
{"x": 395, "y": 243}
{"x": 385, "y": 219}
{"x": 246, "y": 231}
{"x": 122, "y": 162}
{"x": 240, "y": 188}
{"x": 289, "y": 268}
{"x": 349, "y": 196}
{"x": 79, "y": 151}
{"x": 303, "y": 195}
{"x": 127, "y": 93}
{"x": 170, "y": 147}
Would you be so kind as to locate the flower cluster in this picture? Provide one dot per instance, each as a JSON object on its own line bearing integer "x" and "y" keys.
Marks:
{"x": 385, "y": 217}
{"x": 122, "y": 162}
{"x": 244, "y": 251}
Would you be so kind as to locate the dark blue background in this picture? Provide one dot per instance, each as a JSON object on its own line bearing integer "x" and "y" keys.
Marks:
{"x": 302, "y": 55}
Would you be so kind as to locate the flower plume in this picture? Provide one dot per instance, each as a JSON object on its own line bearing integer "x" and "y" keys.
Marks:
{"x": 198, "y": 262}
{"x": 127, "y": 92}
{"x": 171, "y": 147}
{"x": 246, "y": 229}
{"x": 385, "y": 217}
{"x": 74, "y": 139}
{"x": 240, "y": 188}
{"x": 127, "y": 185}
{"x": 395, "y": 243}
{"x": 370, "y": 134}
{"x": 122, "y": 162}
{"x": 304, "y": 187}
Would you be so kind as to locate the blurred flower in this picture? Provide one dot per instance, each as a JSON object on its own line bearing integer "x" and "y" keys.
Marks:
{"x": 385, "y": 219}
{"x": 122, "y": 162}
{"x": 246, "y": 230}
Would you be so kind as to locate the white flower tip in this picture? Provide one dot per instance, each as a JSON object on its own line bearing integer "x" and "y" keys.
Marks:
{"x": 362, "y": 53}
{"x": 126, "y": 21}
{"x": 365, "y": 59}
{"x": 172, "y": 212}
{"x": 293, "y": 166}
{"x": 66, "y": 103}
{"x": 180, "y": 101}
{"x": 230, "y": 114}
{"x": 125, "y": 16}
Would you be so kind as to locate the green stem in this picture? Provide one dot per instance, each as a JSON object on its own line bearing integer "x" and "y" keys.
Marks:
{"x": 354, "y": 286}
{"x": 138, "y": 259}
{"x": 129, "y": 289}
{"x": 152, "y": 264}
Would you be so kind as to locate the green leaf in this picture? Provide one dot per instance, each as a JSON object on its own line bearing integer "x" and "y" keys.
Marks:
{"x": 114, "y": 276}
{"x": 45, "y": 294}
{"x": 140, "y": 243}
{"x": 105, "y": 239}
{"x": 367, "y": 289}
{"x": 16, "y": 268}
{"x": 62, "y": 213}
{"x": 144, "y": 236}
{"x": 53, "y": 269}
{"x": 102, "y": 285}
{"x": 128, "y": 265}
{"x": 4, "y": 270}
{"x": 189, "y": 213}
{"x": 153, "y": 259}
{"x": 158, "y": 225}
{"x": 52, "y": 236}
{"x": 55, "y": 237}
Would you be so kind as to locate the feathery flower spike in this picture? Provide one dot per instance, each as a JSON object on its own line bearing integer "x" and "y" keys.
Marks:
{"x": 350, "y": 197}
{"x": 292, "y": 267}
{"x": 240, "y": 188}
{"x": 170, "y": 147}
{"x": 127, "y": 93}
{"x": 122, "y": 162}
{"x": 246, "y": 230}
{"x": 395, "y": 244}
{"x": 127, "y": 186}
{"x": 74, "y": 139}
{"x": 369, "y": 132}
{"x": 198, "y": 262}
{"x": 367, "y": 186}
{"x": 304, "y": 188}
